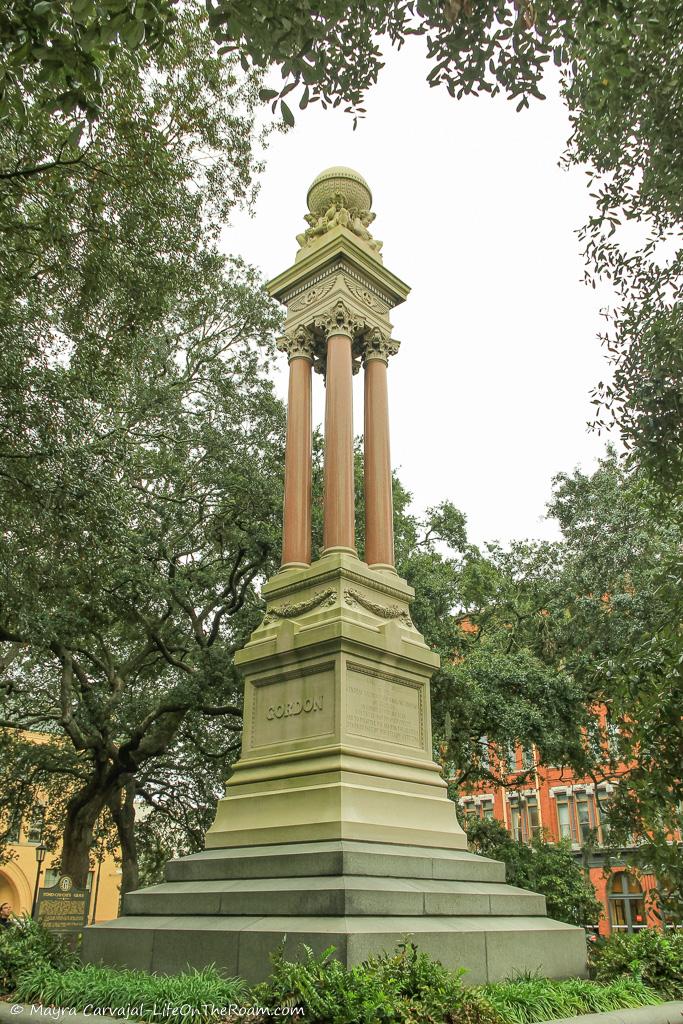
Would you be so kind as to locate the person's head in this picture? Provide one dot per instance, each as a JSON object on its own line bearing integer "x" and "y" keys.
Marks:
{"x": 5, "y": 910}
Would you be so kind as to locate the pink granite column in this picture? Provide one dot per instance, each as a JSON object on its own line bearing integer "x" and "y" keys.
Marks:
{"x": 339, "y": 503}
{"x": 296, "y": 533}
{"x": 379, "y": 514}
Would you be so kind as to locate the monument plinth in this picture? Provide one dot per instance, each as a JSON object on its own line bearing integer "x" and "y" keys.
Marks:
{"x": 336, "y": 827}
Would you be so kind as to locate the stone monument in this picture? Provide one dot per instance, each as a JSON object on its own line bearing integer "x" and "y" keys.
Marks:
{"x": 336, "y": 827}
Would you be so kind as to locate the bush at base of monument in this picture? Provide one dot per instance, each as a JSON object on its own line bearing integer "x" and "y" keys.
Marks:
{"x": 406, "y": 986}
{"x": 544, "y": 867}
{"x": 26, "y": 944}
{"x": 654, "y": 956}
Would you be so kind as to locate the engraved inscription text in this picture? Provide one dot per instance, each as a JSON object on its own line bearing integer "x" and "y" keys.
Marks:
{"x": 384, "y": 709}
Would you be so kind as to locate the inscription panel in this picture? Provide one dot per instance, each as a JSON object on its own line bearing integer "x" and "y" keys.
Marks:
{"x": 383, "y": 707}
{"x": 294, "y": 708}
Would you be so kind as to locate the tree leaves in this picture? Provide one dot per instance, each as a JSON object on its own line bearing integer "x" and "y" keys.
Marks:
{"x": 56, "y": 49}
{"x": 287, "y": 115}
{"x": 133, "y": 400}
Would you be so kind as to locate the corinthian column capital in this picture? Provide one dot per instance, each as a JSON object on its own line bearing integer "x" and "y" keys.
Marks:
{"x": 378, "y": 344}
{"x": 339, "y": 319}
{"x": 298, "y": 343}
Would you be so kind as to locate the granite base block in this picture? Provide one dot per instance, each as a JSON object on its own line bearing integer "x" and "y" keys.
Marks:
{"x": 234, "y": 907}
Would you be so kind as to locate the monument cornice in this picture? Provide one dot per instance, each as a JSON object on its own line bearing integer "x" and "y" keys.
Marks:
{"x": 274, "y": 592}
{"x": 338, "y": 245}
{"x": 319, "y": 284}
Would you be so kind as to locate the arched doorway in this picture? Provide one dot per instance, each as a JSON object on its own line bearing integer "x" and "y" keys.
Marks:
{"x": 626, "y": 904}
{"x": 9, "y": 893}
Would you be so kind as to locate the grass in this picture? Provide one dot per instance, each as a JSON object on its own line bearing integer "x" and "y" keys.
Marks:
{"x": 201, "y": 993}
{"x": 539, "y": 999}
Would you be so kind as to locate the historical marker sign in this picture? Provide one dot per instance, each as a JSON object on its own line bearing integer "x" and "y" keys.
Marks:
{"x": 62, "y": 908}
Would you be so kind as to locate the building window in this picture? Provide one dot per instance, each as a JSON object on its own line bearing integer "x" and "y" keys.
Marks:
{"x": 34, "y": 833}
{"x": 564, "y": 818}
{"x": 587, "y": 817}
{"x": 533, "y": 821}
{"x": 583, "y": 816}
{"x": 484, "y": 759}
{"x": 469, "y": 808}
{"x": 487, "y": 809}
{"x": 516, "y": 827}
{"x": 511, "y": 757}
{"x": 626, "y": 904}
{"x": 527, "y": 758}
{"x": 577, "y": 817}
{"x": 14, "y": 827}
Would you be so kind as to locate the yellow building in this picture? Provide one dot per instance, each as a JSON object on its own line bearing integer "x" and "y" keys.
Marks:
{"x": 18, "y": 875}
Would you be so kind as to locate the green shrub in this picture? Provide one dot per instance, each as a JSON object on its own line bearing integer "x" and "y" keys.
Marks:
{"x": 546, "y": 868}
{"x": 201, "y": 993}
{"x": 539, "y": 999}
{"x": 28, "y": 944}
{"x": 653, "y": 956}
{"x": 404, "y": 987}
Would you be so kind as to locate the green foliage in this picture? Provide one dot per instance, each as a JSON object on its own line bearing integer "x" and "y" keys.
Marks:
{"x": 614, "y": 615}
{"x": 405, "y": 986}
{"x": 27, "y": 946}
{"x": 332, "y": 50}
{"x": 494, "y": 681}
{"x": 202, "y": 994}
{"x": 546, "y": 868}
{"x": 539, "y": 999}
{"x": 626, "y": 104}
{"x": 56, "y": 50}
{"x": 133, "y": 400}
{"x": 650, "y": 956}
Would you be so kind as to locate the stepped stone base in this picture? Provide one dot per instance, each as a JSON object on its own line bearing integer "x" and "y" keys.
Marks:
{"x": 232, "y": 907}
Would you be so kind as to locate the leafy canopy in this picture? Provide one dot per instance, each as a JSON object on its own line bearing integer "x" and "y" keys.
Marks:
{"x": 140, "y": 439}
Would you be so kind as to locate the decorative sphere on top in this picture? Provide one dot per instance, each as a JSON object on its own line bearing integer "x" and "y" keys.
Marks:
{"x": 339, "y": 181}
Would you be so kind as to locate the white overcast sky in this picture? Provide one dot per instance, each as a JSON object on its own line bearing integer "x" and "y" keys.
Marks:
{"x": 490, "y": 391}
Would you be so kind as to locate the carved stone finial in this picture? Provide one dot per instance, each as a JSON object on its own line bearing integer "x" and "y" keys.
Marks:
{"x": 339, "y": 197}
{"x": 298, "y": 343}
{"x": 377, "y": 344}
{"x": 339, "y": 319}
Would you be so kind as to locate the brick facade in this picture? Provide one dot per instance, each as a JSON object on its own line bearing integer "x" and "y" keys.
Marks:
{"x": 558, "y": 804}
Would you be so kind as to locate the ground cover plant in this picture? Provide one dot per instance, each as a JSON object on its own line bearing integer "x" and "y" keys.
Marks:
{"x": 27, "y": 945}
{"x": 652, "y": 956}
{"x": 153, "y": 997}
{"x": 540, "y": 999}
{"x": 404, "y": 987}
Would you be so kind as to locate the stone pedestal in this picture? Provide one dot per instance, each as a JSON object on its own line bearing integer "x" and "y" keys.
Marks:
{"x": 337, "y": 741}
{"x": 336, "y": 828}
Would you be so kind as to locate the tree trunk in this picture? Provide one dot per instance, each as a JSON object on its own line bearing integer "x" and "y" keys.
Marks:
{"x": 83, "y": 810}
{"x": 122, "y": 808}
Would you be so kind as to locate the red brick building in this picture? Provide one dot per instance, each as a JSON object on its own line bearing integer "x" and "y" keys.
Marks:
{"x": 557, "y": 803}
